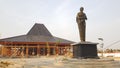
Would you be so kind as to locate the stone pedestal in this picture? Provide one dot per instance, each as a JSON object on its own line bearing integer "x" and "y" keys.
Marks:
{"x": 85, "y": 50}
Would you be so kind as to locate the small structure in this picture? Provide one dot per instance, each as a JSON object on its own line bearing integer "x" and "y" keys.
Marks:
{"x": 37, "y": 42}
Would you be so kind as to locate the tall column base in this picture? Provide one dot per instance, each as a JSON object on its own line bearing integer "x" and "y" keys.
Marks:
{"x": 85, "y": 50}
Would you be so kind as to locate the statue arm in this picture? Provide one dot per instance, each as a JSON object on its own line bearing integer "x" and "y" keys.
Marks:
{"x": 85, "y": 17}
{"x": 77, "y": 18}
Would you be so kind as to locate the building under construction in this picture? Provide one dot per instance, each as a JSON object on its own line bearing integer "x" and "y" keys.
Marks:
{"x": 37, "y": 42}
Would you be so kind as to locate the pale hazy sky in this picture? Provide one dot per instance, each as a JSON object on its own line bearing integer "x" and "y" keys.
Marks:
{"x": 18, "y": 16}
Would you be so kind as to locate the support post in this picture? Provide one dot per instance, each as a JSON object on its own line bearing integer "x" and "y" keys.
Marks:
{"x": 15, "y": 52}
{"x": 38, "y": 50}
{"x": 48, "y": 49}
{"x": 56, "y": 50}
{"x": 65, "y": 50}
{"x": 26, "y": 51}
{"x": 22, "y": 53}
{"x": 2, "y": 53}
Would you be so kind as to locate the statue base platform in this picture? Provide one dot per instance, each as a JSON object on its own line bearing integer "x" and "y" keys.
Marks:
{"x": 85, "y": 50}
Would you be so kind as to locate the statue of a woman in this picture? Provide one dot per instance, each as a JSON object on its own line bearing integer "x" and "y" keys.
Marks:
{"x": 80, "y": 19}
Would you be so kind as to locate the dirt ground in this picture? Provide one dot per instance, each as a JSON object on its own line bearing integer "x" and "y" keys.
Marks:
{"x": 58, "y": 62}
{"x": 41, "y": 62}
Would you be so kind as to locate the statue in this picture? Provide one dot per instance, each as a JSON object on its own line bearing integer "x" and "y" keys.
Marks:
{"x": 80, "y": 19}
{"x": 84, "y": 49}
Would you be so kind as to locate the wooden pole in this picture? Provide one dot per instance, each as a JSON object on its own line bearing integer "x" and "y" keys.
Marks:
{"x": 2, "y": 53}
{"x": 56, "y": 49}
{"x": 27, "y": 51}
{"x": 38, "y": 50}
{"x": 15, "y": 51}
{"x": 48, "y": 49}
{"x": 22, "y": 53}
{"x": 65, "y": 50}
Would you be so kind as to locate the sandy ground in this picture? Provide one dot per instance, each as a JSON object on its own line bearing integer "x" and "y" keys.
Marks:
{"x": 42, "y": 62}
{"x": 59, "y": 62}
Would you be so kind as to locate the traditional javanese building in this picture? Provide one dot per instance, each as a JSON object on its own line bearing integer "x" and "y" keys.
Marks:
{"x": 37, "y": 42}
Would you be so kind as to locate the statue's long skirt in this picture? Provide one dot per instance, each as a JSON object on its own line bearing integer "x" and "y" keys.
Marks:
{"x": 82, "y": 30}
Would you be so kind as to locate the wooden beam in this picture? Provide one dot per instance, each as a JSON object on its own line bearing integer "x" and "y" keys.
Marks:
{"x": 30, "y": 46}
{"x": 18, "y": 43}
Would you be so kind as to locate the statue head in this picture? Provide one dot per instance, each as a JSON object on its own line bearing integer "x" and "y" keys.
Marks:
{"x": 81, "y": 9}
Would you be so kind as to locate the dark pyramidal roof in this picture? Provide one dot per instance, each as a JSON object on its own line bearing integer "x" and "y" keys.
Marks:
{"x": 39, "y": 30}
{"x": 38, "y": 33}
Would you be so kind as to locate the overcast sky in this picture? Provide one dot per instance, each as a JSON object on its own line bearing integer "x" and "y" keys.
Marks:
{"x": 18, "y": 16}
